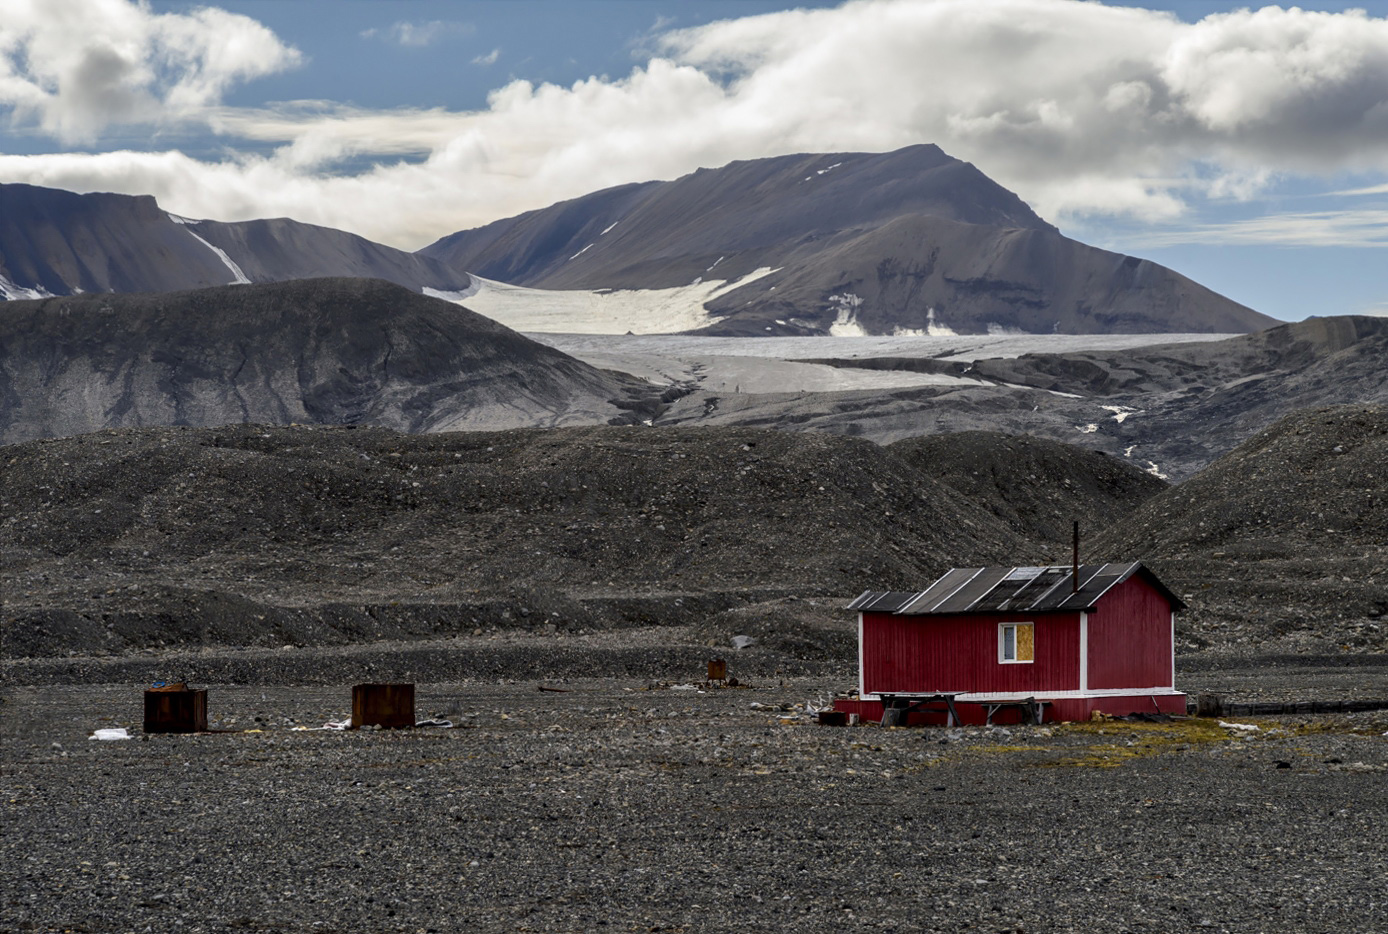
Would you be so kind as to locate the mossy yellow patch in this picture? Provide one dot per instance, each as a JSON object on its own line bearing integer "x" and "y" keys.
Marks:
{"x": 1117, "y": 742}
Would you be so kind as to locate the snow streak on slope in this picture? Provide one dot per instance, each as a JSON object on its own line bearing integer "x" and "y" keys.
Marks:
{"x": 238, "y": 277}
{"x": 634, "y": 311}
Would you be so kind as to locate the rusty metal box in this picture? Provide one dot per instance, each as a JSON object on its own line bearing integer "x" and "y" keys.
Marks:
{"x": 717, "y": 669}
{"x": 175, "y": 709}
{"x": 384, "y": 705}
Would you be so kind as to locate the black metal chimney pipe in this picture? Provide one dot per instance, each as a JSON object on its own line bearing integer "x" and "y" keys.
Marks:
{"x": 1075, "y": 562}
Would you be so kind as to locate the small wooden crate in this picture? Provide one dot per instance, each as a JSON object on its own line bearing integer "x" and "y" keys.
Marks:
{"x": 384, "y": 705}
{"x": 175, "y": 708}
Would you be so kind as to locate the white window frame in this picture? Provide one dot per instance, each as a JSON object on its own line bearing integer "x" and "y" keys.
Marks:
{"x": 1002, "y": 643}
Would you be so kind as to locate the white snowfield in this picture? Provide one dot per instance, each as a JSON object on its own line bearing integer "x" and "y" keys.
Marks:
{"x": 958, "y": 347}
{"x": 776, "y": 364}
{"x": 606, "y": 311}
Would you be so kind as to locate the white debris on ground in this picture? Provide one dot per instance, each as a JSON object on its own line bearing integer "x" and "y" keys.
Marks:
{"x": 1087, "y": 429}
{"x": 1240, "y": 727}
{"x": 111, "y": 733}
{"x": 605, "y": 311}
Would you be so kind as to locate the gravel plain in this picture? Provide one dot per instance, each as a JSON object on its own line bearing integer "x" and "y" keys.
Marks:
{"x": 627, "y": 804}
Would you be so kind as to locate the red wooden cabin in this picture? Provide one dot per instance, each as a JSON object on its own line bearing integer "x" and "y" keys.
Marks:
{"x": 1010, "y": 644}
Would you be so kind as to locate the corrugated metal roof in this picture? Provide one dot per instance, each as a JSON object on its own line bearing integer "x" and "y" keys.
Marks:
{"x": 879, "y": 601}
{"x": 1016, "y": 590}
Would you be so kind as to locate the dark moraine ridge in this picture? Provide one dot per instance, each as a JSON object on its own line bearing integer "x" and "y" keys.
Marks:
{"x": 250, "y": 535}
{"x": 1036, "y": 486}
{"x": 1282, "y": 541}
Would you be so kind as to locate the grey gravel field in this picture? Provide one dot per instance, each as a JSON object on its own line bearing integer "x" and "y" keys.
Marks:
{"x": 627, "y": 805}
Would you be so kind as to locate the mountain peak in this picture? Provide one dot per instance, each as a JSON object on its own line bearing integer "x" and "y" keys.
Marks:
{"x": 909, "y": 241}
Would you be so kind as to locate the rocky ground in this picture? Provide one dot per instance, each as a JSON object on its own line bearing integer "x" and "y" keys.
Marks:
{"x": 628, "y": 797}
{"x": 1172, "y": 409}
{"x": 646, "y": 804}
{"x": 1282, "y": 541}
{"x": 149, "y": 539}
{"x": 254, "y": 535}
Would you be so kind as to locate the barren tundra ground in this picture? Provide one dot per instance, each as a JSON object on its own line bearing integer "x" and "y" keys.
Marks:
{"x": 630, "y": 804}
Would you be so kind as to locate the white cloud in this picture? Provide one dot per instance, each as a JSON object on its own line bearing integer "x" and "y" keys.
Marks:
{"x": 1079, "y": 107}
{"x": 488, "y": 59}
{"x": 1353, "y": 228}
{"x": 77, "y": 66}
{"x": 420, "y": 34}
{"x": 1371, "y": 190}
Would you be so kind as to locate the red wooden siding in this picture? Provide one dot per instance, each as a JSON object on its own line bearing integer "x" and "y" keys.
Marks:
{"x": 1130, "y": 638}
{"x": 913, "y": 654}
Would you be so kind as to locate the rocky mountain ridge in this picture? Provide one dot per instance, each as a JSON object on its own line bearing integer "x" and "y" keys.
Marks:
{"x": 911, "y": 241}
{"x": 55, "y": 243}
{"x": 873, "y": 243}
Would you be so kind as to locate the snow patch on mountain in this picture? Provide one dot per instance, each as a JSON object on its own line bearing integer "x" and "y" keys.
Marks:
{"x": 237, "y": 276}
{"x": 845, "y": 322}
{"x": 1002, "y": 330}
{"x": 604, "y": 311}
{"x": 17, "y": 293}
{"x": 1121, "y": 412}
{"x": 455, "y": 295}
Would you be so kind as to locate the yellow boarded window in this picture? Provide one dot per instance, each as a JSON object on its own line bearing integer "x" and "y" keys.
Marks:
{"x": 1016, "y": 642}
{"x": 1026, "y": 642}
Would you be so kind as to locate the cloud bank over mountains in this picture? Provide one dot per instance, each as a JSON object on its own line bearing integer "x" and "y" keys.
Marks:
{"x": 74, "y": 67}
{"x": 1083, "y": 109}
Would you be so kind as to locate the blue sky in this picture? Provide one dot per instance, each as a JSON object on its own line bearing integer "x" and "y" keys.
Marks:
{"x": 1246, "y": 148}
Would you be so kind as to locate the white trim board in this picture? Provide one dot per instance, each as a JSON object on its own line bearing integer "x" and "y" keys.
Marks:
{"x": 1084, "y": 652}
{"x": 1039, "y": 695}
{"x": 861, "y": 685}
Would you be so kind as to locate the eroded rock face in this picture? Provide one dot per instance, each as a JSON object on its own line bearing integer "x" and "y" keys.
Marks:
{"x": 326, "y": 351}
{"x": 874, "y": 243}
